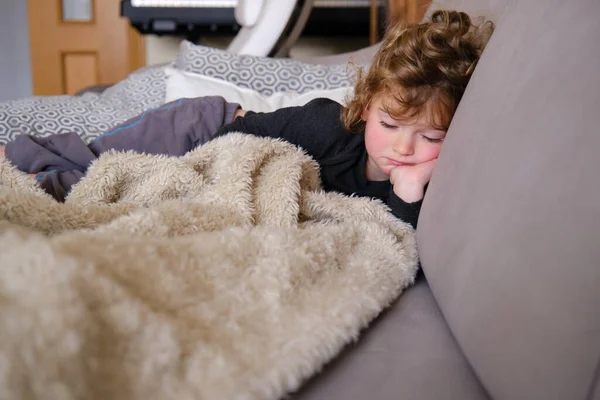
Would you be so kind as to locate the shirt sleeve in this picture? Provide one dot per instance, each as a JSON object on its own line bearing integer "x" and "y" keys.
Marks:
{"x": 407, "y": 212}
{"x": 276, "y": 124}
{"x": 314, "y": 126}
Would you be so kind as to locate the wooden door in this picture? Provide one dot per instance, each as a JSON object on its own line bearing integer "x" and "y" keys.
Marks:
{"x": 70, "y": 52}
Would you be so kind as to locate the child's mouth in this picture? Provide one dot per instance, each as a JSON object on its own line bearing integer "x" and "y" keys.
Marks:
{"x": 398, "y": 163}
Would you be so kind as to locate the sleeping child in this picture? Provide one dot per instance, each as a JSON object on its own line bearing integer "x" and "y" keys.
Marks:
{"x": 383, "y": 144}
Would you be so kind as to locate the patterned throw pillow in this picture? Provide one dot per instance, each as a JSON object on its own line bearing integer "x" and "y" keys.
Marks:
{"x": 88, "y": 115}
{"x": 262, "y": 74}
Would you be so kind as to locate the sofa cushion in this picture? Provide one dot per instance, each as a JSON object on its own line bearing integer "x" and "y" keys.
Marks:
{"x": 509, "y": 230}
{"x": 488, "y": 9}
{"x": 407, "y": 353}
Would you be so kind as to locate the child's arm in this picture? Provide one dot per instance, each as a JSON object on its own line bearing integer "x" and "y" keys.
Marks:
{"x": 313, "y": 126}
{"x": 407, "y": 212}
{"x": 239, "y": 113}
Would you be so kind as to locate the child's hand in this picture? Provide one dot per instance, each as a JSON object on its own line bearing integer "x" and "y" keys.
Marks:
{"x": 409, "y": 180}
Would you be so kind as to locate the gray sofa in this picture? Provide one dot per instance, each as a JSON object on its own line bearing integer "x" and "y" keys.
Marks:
{"x": 508, "y": 306}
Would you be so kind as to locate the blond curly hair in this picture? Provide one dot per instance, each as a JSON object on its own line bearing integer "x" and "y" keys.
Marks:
{"x": 421, "y": 69}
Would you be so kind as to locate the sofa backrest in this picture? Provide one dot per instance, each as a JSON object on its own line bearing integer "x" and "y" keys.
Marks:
{"x": 509, "y": 233}
{"x": 489, "y": 9}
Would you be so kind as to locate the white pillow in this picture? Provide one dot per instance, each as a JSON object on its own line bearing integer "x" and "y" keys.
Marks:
{"x": 187, "y": 84}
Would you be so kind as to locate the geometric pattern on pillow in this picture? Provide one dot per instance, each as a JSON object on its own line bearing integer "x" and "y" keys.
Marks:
{"x": 262, "y": 74}
{"x": 88, "y": 115}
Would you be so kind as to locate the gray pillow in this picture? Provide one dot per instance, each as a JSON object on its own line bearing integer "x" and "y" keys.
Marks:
{"x": 88, "y": 115}
{"x": 263, "y": 74}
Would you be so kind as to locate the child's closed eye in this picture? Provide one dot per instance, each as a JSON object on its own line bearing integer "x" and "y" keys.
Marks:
{"x": 386, "y": 125}
{"x": 433, "y": 140}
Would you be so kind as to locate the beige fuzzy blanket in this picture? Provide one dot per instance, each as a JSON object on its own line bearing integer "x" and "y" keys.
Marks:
{"x": 223, "y": 274}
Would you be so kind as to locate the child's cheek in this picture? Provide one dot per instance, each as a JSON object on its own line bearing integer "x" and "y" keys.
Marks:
{"x": 376, "y": 143}
{"x": 429, "y": 152}
{"x": 382, "y": 142}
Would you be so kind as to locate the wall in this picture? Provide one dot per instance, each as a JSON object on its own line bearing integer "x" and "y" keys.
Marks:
{"x": 164, "y": 49}
{"x": 15, "y": 68}
{"x": 160, "y": 50}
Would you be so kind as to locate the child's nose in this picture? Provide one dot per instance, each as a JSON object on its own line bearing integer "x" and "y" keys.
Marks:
{"x": 404, "y": 144}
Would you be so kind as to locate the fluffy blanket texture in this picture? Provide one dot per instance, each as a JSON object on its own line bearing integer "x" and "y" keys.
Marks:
{"x": 223, "y": 274}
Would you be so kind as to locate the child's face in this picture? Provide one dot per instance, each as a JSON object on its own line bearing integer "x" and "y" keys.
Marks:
{"x": 391, "y": 143}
